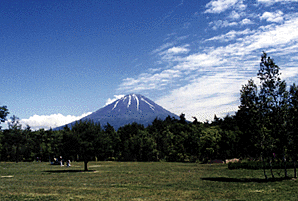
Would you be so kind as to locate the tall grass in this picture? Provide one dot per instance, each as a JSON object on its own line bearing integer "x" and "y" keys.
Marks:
{"x": 139, "y": 181}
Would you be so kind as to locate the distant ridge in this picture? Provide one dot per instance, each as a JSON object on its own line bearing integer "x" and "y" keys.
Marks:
{"x": 126, "y": 110}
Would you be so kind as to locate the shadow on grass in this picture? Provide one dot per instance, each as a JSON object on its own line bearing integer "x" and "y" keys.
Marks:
{"x": 64, "y": 171}
{"x": 243, "y": 180}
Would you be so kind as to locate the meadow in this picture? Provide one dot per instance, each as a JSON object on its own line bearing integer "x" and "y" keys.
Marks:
{"x": 140, "y": 181}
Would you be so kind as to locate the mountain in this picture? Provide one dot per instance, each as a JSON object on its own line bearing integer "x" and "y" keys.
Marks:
{"x": 128, "y": 109}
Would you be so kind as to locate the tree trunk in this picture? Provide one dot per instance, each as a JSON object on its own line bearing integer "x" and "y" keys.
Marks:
{"x": 295, "y": 172}
{"x": 271, "y": 169}
{"x": 285, "y": 163}
{"x": 17, "y": 153}
{"x": 264, "y": 167}
{"x": 85, "y": 165}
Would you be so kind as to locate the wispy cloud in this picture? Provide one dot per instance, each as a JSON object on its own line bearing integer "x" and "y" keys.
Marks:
{"x": 231, "y": 35}
{"x": 271, "y": 2}
{"x": 218, "y": 6}
{"x": 207, "y": 80}
{"x": 205, "y": 96}
{"x": 221, "y": 23}
{"x": 148, "y": 81}
{"x": 163, "y": 47}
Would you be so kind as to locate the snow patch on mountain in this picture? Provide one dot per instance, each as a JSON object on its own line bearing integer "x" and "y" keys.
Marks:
{"x": 151, "y": 106}
{"x": 115, "y": 105}
{"x": 129, "y": 101}
{"x": 137, "y": 99}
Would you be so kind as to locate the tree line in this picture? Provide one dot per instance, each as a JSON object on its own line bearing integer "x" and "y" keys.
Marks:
{"x": 264, "y": 128}
{"x": 164, "y": 140}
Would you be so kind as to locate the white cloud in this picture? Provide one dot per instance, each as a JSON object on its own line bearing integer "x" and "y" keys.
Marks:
{"x": 161, "y": 48}
{"x": 222, "y": 23}
{"x": 212, "y": 59}
{"x": 246, "y": 21}
{"x": 218, "y": 6}
{"x": 206, "y": 96}
{"x": 210, "y": 79}
{"x": 275, "y": 36}
{"x": 234, "y": 15}
{"x": 203, "y": 97}
{"x": 148, "y": 81}
{"x": 273, "y": 16}
{"x": 200, "y": 62}
{"x": 50, "y": 121}
{"x": 240, "y": 6}
{"x": 231, "y": 35}
{"x": 270, "y": 2}
{"x": 111, "y": 100}
{"x": 288, "y": 72}
{"x": 178, "y": 50}
{"x": 278, "y": 36}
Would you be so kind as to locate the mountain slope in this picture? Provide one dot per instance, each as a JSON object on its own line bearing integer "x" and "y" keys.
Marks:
{"x": 130, "y": 108}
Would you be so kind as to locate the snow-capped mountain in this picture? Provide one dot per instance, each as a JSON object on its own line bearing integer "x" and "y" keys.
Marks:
{"x": 130, "y": 108}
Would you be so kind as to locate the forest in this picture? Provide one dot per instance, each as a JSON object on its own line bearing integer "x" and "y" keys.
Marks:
{"x": 264, "y": 128}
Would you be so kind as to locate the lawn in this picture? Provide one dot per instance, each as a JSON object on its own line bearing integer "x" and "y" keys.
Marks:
{"x": 139, "y": 181}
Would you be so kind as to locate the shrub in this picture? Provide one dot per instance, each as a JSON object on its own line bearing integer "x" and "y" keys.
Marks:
{"x": 255, "y": 165}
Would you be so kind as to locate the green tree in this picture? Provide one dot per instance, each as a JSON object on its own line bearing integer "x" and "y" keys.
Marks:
{"x": 209, "y": 143}
{"x": 1, "y": 143}
{"x": 274, "y": 107}
{"x": 181, "y": 131}
{"x": 16, "y": 135}
{"x": 7, "y": 147}
{"x": 192, "y": 143}
{"x": 167, "y": 148}
{"x": 156, "y": 130}
{"x": 65, "y": 144}
{"x": 248, "y": 117}
{"x": 3, "y": 114}
{"x": 107, "y": 143}
{"x": 264, "y": 112}
{"x": 26, "y": 145}
{"x": 293, "y": 125}
{"x": 230, "y": 137}
{"x": 84, "y": 135}
{"x": 114, "y": 151}
{"x": 130, "y": 147}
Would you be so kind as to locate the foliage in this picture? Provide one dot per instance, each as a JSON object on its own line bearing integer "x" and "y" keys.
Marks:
{"x": 3, "y": 113}
{"x": 267, "y": 116}
{"x": 84, "y": 137}
{"x": 256, "y": 165}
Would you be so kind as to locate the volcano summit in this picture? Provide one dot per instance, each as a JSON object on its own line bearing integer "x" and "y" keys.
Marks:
{"x": 128, "y": 109}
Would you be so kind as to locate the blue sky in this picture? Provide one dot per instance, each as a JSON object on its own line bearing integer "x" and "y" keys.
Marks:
{"x": 62, "y": 60}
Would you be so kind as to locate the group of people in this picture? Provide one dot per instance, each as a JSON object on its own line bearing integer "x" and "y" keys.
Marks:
{"x": 61, "y": 161}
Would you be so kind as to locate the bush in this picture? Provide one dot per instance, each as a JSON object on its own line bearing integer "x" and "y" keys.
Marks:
{"x": 255, "y": 165}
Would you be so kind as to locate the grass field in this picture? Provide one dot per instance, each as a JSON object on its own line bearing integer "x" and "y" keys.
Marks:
{"x": 139, "y": 181}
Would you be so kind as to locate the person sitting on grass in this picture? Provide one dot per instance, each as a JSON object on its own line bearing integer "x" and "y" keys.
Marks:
{"x": 61, "y": 161}
{"x": 68, "y": 163}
